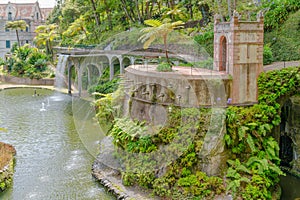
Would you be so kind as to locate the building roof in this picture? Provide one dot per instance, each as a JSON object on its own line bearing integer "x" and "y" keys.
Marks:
{"x": 46, "y": 12}
{"x": 23, "y": 10}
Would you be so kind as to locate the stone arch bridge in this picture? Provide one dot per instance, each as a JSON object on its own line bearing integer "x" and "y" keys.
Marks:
{"x": 94, "y": 61}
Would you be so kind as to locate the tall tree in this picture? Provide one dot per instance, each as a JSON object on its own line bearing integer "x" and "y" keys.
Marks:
{"x": 46, "y": 34}
{"x": 16, "y": 25}
{"x": 95, "y": 12}
{"x": 158, "y": 29}
{"x": 76, "y": 29}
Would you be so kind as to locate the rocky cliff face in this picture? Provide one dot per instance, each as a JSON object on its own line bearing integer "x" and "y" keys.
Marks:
{"x": 290, "y": 127}
{"x": 294, "y": 129}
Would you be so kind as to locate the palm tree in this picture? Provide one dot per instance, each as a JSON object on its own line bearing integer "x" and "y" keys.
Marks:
{"x": 16, "y": 25}
{"x": 158, "y": 29}
{"x": 76, "y": 29}
{"x": 46, "y": 34}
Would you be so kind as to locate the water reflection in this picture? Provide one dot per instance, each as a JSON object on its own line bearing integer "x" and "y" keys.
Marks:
{"x": 51, "y": 161}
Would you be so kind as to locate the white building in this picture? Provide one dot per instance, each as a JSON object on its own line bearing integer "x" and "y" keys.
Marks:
{"x": 29, "y": 12}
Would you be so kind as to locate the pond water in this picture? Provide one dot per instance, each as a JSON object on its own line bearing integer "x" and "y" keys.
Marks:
{"x": 56, "y": 147}
{"x": 52, "y": 160}
{"x": 290, "y": 186}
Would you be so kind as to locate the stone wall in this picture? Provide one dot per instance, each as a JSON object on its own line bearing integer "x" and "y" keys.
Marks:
{"x": 151, "y": 95}
{"x": 26, "y": 81}
{"x": 178, "y": 89}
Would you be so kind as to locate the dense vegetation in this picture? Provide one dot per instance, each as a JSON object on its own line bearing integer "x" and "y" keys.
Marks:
{"x": 27, "y": 61}
{"x": 82, "y": 23}
{"x": 253, "y": 167}
{"x": 284, "y": 40}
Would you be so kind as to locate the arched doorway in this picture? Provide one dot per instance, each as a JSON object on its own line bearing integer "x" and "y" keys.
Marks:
{"x": 223, "y": 54}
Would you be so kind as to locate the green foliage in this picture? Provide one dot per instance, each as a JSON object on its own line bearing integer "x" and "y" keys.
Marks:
{"x": 101, "y": 19}
{"x": 105, "y": 111}
{"x": 252, "y": 174}
{"x": 255, "y": 172}
{"x": 108, "y": 107}
{"x": 16, "y": 25}
{"x": 45, "y": 37}
{"x": 164, "y": 67}
{"x": 182, "y": 178}
{"x": 278, "y": 11}
{"x": 129, "y": 135}
{"x": 105, "y": 85}
{"x": 275, "y": 85}
{"x": 158, "y": 29}
{"x": 206, "y": 39}
{"x": 28, "y": 62}
{"x": 284, "y": 40}
{"x": 268, "y": 55}
{"x": 207, "y": 64}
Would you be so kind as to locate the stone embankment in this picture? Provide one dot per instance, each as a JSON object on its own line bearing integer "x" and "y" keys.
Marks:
{"x": 7, "y": 153}
{"x": 26, "y": 81}
{"x": 104, "y": 170}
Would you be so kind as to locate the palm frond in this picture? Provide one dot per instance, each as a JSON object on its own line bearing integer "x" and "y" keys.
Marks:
{"x": 148, "y": 42}
{"x": 153, "y": 22}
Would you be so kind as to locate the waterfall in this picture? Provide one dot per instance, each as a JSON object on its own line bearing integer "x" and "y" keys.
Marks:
{"x": 60, "y": 71}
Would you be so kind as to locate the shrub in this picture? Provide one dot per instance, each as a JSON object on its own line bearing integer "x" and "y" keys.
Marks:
{"x": 268, "y": 55}
{"x": 104, "y": 85}
{"x": 27, "y": 61}
{"x": 164, "y": 67}
{"x": 206, "y": 39}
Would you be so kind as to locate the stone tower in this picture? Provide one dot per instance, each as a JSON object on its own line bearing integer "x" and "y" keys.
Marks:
{"x": 238, "y": 51}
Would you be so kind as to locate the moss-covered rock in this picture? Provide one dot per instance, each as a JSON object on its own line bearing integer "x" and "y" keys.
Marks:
{"x": 6, "y": 165}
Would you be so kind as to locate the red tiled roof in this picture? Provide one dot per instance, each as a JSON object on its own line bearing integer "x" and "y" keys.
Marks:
{"x": 46, "y": 12}
{"x": 24, "y": 10}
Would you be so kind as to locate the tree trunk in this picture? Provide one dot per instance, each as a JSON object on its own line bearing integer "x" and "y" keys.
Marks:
{"x": 166, "y": 48}
{"x": 17, "y": 33}
{"x": 219, "y": 10}
{"x": 49, "y": 49}
{"x": 126, "y": 11}
{"x": 191, "y": 9}
{"x": 108, "y": 12}
{"x": 95, "y": 13}
{"x": 138, "y": 11}
{"x": 229, "y": 8}
{"x": 234, "y": 4}
{"x": 151, "y": 9}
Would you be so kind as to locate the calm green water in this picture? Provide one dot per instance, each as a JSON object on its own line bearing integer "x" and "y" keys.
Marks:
{"x": 290, "y": 186}
{"x": 56, "y": 147}
{"x": 54, "y": 157}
